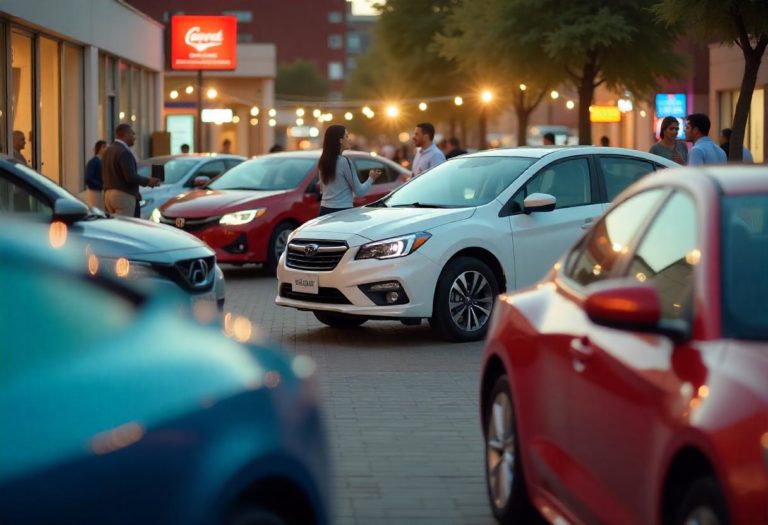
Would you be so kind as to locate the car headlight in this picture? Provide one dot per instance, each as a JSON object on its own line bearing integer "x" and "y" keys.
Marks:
{"x": 122, "y": 268}
{"x": 155, "y": 215}
{"x": 241, "y": 217}
{"x": 395, "y": 247}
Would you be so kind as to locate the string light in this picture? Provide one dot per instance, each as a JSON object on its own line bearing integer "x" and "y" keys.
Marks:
{"x": 523, "y": 87}
{"x": 272, "y": 112}
{"x": 300, "y": 112}
{"x": 422, "y": 106}
{"x": 486, "y": 96}
{"x": 348, "y": 115}
{"x": 212, "y": 93}
{"x": 570, "y": 104}
{"x": 189, "y": 90}
{"x": 254, "y": 111}
{"x": 458, "y": 101}
{"x": 174, "y": 94}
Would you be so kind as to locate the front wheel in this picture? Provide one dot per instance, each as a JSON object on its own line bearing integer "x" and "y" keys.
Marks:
{"x": 339, "y": 320}
{"x": 278, "y": 241}
{"x": 464, "y": 299}
{"x": 703, "y": 504}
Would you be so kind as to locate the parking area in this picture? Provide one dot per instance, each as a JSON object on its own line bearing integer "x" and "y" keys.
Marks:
{"x": 401, "y": 408}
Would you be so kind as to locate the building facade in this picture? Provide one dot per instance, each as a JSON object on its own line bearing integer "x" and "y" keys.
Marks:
{"x": 69, "y": 73}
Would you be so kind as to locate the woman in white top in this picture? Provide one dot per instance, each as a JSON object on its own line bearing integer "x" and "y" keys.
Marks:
{"x": 337, "y": 175}
{"x": 668, "y": 146}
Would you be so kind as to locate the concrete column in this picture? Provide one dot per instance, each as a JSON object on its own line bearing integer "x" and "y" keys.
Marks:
{"x": 91, "y": 116}
{"x": 266, "y": 133}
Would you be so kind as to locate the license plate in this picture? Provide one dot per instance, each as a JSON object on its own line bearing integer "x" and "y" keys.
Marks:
{"x": 305, "y": 283}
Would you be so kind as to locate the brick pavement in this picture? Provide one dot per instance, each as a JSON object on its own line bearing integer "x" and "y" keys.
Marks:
{"x": 401, "y": 408}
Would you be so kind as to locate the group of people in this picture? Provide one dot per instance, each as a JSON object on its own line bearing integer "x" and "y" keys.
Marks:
{"x": 704, "y": 150}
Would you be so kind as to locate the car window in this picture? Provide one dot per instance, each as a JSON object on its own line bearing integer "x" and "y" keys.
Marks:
{"x": 231, "y": 163}
{"x": 620, "y": 172}
{"x": 744, "y": 227}
{"x": 567, "y": 181}
{"x": 364, "y": 165}
{"x": 51, "y": 314}
{"x": 667, "y": 255}
{"x": 18, "y": 198}
{"x": 211, "y": 169}
{"x": 175, "y": 169}
{"x": 596, "y": 255}
{"x": 462, "y": 182}
{"x": 265, "y": 173}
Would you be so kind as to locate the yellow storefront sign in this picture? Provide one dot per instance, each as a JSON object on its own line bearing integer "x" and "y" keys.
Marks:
{"x": 604, "y": 114}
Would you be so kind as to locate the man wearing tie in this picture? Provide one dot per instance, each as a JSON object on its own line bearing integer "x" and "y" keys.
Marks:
{"x": 121, "y": 176}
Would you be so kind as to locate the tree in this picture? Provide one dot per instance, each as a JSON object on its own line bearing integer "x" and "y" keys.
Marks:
{"x": 740, "y": 22}
{"x": 591, "y": 42}
{"x": 300, "y": 79}
{"x": 477, "y": 37}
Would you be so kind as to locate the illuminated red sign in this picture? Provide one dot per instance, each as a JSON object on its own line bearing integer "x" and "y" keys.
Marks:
{"x": 203, "y": 42}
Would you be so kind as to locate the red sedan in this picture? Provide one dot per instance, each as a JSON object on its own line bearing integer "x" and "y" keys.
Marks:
{"x": 630, "y": 386}
{"x": 247, "y": 213}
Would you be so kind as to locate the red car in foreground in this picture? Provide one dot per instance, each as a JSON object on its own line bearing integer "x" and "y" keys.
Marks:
{"x": 247, "y": 213}
{"x": 630, "y": 386}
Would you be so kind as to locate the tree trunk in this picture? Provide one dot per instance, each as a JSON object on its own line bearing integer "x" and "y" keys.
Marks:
{"x": 523, "y": 115}
{"x": 586, "y": 94}
{"x": 752, "y": 59}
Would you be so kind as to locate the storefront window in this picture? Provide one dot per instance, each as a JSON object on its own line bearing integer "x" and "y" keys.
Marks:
{"x": 50, "y": 110}
{"x": 3, "y": 109}
{"x": 72, "y": 122}
{"x": 124, "y": 95}
{"x": 135, "y": 111}
{"x": 21, "y": 97}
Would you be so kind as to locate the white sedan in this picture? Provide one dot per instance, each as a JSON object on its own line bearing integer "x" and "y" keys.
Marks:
{"x": 444, "y": 245}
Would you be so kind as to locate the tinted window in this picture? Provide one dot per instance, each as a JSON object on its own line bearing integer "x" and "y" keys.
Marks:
{"x": 620, "y": 172}
{"x": 596, "y": 255}
{"x": 567, "y": 181}
{"x": 211, "y": 169}
{"x": 175, "y": 168}
{"x": 667, "y": 255}
{"x": 17, "y": 198}
{"x": 464, "y": 181}
{"x": 744, "y": 253}
{"x": 265, "y": 173}
{"x": 364, "y": 165}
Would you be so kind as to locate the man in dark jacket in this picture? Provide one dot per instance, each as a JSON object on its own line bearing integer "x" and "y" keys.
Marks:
{"x": 455, "y": 150}
{"x": 94, "y": 184}
{"x": 121, "y": 175}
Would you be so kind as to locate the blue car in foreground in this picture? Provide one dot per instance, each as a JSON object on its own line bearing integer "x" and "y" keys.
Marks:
{"x": 116, "y": 408}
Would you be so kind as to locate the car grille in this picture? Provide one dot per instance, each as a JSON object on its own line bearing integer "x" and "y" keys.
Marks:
{"x": 190, "y": 225}
{"x": 196, "y": 275}
{"x": 324, "y": 295}
{"x": 315, "y": 255}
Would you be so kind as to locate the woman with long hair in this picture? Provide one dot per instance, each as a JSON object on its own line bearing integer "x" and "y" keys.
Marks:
{"x": 337, "y": 175}
{"x": 668, "y": 146}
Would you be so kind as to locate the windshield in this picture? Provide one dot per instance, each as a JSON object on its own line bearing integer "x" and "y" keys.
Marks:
{"x": 462, "y": 182}
{"x": 175, "y": 168}
{"x": 744, "y": 255}
{"x": 49, "y": 185}
{"x": 265, "y": 173}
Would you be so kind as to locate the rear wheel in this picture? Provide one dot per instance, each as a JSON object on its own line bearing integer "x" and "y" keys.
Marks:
{"x": 703, "y": 504}
{"x": 278, "y": 241}
{"x": 339, "y": 320}
{"x": 504, "y": 469}
{"x": 464, "y": 299}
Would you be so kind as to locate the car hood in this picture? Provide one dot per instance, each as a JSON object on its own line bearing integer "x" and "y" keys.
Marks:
{"x": 206, "y": 202}
{"x": 128, "y": 237}
{"x": 379, "y": 223}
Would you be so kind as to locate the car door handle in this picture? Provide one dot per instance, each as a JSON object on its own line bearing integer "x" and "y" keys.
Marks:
{"x": 581, "y": 348}
{"x": 587, "y": 223}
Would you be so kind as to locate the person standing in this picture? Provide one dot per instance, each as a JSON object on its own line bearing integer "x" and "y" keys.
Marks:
{"x": 19, "y": 141}
{"x": 725, "y": 143}
{"x": 337, "y": 175}
{"x": 454, "y": 150}
{"x": 94, "y": 184}
{"x": 668, "y": 146}
{"x": 548, "y": 139}
{"x": 226, "y": 146}
{"x": 704, "y": 151}
{"x": 121, "y": 176}
{"x": 605, "y": 142}
{"x": 428, "y": 155}
{"x": 184, "y": 149}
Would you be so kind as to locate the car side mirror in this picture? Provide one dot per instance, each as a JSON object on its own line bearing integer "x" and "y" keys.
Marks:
{"x": 539, "y": 202}
{"x": 69, "y": 210}
{"x": 200, "y": 181}
{"x": 626, "y": 304}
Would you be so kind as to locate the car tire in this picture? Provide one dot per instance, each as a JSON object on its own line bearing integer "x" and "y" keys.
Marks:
{"x": 335, "y": 320}
{"x": 464, "y": 300}
{"x": 703, "y": 503}
{"x": 277, "y": 244}
{"x": 504, "y": 477}
{"x": 254, "y": 516}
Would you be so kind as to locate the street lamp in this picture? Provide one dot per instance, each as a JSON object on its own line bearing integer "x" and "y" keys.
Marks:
{"x": 485, "y": 97}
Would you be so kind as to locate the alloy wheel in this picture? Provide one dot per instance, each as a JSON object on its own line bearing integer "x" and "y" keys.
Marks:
{"x": 281, "y": 242}
{"x": 500, "y": 450}
{"x": 470, "y": 301}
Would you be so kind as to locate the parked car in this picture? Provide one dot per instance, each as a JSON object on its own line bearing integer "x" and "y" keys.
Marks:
{"x": 116, "y": 409}
{"x": 182, "y": 173}
{"x": 247, "y": 214}
{"x": 444, "y": 245}
{"x": 629, "y": 386}
{"x": 164, "y": 257}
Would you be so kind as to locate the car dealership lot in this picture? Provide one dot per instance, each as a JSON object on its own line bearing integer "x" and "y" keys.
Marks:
{"x": 401, "y": 408}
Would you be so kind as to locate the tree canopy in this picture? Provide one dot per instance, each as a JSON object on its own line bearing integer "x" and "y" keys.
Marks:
{"x": 300, "y": 79}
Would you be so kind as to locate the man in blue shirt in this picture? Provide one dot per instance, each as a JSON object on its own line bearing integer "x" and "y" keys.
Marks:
{"x": 93, "y": 182}
{"x": 428, "y": 155}
{"x": 704, "y": 150}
